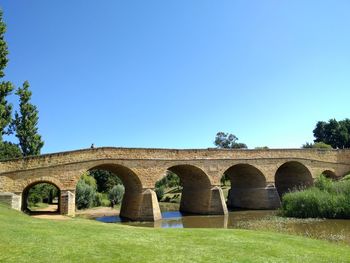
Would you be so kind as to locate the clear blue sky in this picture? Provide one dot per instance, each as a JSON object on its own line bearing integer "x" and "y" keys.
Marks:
{"x": 171, "y": 74}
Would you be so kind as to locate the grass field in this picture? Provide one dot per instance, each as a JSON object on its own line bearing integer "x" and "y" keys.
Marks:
{"x": 26, "y": 239}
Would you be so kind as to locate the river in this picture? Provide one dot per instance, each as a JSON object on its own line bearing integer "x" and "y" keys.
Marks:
{"x": 329, "y": 229}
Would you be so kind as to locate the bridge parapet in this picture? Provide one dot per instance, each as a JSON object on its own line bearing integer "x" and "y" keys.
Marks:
{"x": 84, "y": 155}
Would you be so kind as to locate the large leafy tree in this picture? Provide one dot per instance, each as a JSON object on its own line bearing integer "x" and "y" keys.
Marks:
{"x": 335, "y": 133}
{"x": 6, "y": 87}
{"x": 105, "y": 180}
{"x": 26, "y": 122}
{"x": 9, "y": 150}
{"x": 228, "y": 140}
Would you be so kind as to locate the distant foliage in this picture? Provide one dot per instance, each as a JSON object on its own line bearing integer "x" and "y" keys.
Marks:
{"x": 43, "y": 193}
{"x": 327, "y": 199}
{"x": 169, "y": 181}
{"x": 261, "y": 148}
{"x": 105, "y": 180}
{"x": 317, "y": 145}
{"x": 228, "y": 141}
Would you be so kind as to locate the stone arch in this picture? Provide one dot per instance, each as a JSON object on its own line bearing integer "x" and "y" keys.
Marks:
{"x": 292, "y": 175}
{"x": 245, "y": 176}
{"x": 248, "y": 188}
{"x": 25, "y": 192}
{"x": 132, "y": 199}
{"x": 191, "y": 176}
{"x": 197, "y": 196}
{"x": 330, "y": 174}
{"x": 130, "y": 179}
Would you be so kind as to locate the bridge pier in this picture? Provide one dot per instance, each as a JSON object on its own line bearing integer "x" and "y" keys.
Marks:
{"x": 140, "y": 206}
{"x": 203, "y": 201}
{"x": 67, "y": 202}
{"x": 254, "y": 198}
{"x": 12, "y": 200}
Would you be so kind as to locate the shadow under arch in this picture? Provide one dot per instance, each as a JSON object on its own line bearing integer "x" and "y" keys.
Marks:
{"x": 25, "y": 196}
{"x": 291, "y": 176}
{"x": 132, "y": 199}
{"x": 196, "y": 191}
{"x": 248, "y": 188}
{"x": 330, "y": 174}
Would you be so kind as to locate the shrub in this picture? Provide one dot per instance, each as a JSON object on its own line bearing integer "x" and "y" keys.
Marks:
{"x": 327, "y": 199}
{"x": 159, "y": 192}
{"x": 89, "y": 180}
{"x": 85, "y": 195}
{"x": 34, "y": 198}
{"x": 323, "y": 183}
{"x": 116, "y": 194}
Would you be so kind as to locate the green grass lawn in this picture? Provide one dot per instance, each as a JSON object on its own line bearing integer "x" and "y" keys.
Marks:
{"x": 38, "y": 206}
{"x": 26, "y": 239}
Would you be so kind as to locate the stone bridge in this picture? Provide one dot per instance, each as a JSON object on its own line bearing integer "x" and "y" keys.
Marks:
{"x": 258, "y": 177}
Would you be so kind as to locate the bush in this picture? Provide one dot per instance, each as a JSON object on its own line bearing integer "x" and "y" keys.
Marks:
{"x": 34, "y": 198}
{"x": 101, "y": 199}
{"x": 116, "y": 194}
{"x": 327, "y": 199}
{"x": 323, "y": 183}
{"x": 85, "y": 195}
{"x": 159, "y": 192}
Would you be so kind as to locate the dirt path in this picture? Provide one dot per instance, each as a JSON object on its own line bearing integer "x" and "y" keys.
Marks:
{"x": 97, "y": 212}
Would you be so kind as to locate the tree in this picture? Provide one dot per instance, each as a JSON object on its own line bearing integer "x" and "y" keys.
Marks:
{"x": 6, "y": 87}
{"x": 116, "y": 194}
{"x": 334, "y": 133}
{"x": 226, "y": 140}
{"x": 316, "y": 145}
{"x": 105, "y": 180}
{"x": 25, "y": 123}
{"x": 9, "y": 150}
{"x": 85, "y": 195}
{"x": 261, "y": 148}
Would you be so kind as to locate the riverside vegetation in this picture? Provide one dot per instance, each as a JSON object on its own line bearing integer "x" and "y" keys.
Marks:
{"x": 326, "y": 199}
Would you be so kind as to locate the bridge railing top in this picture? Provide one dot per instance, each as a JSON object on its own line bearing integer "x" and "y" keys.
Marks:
{"x": 174, "y": 151}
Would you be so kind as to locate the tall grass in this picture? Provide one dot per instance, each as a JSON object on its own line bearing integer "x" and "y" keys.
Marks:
{"x": 326, "y": 199}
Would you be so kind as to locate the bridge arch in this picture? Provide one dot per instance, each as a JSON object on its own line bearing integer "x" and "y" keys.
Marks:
{"x": 198, "y": 196}
{"x": 292, "y": 175}
{"x": 247, "y": 187}
{"x": 26, "y": 191}
{"x": 132, "y": 198}
{"x": 130, "y": 179}
{"x": 195, "y": 186}
{"x": 330, "y": 174}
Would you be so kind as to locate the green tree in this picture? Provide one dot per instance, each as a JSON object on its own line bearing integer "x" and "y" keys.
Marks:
{"x": 228, "y": 140}
{"x": 317, "y": 145}
{"x": 6, "y": 87}
{"x": 116, "y": 194}
{"x": 334, "y": 133}
{"x": 9, "y": 150}
{"x": 105, "y": 180}
{"x": 26, "y": 122}
{"x": 85, "y": 195}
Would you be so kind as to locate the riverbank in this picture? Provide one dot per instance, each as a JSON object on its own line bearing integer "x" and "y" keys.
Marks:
{"x": 26, "y": 239}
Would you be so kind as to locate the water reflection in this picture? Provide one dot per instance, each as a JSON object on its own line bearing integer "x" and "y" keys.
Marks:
{"x": 261, "y": 220}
